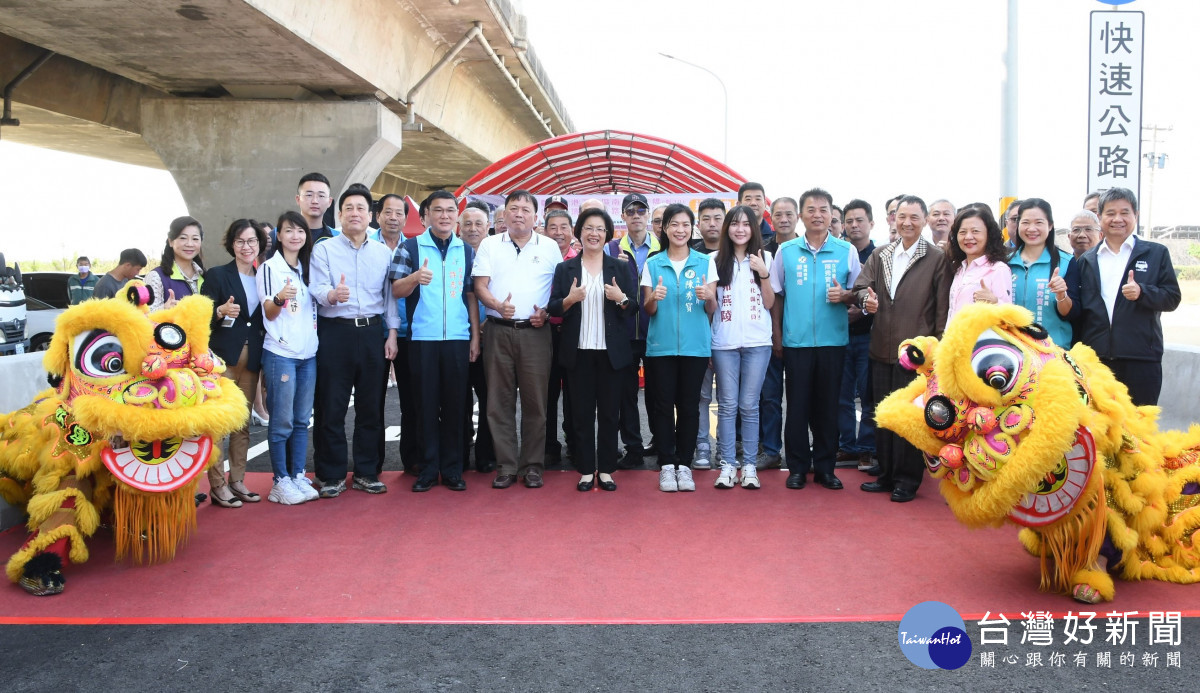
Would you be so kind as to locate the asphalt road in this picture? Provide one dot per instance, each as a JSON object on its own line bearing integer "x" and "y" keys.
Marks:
{"x": 784, "y": 657}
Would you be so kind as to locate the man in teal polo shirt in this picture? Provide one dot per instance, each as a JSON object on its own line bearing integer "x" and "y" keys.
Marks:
{"x": 812, "y": 275}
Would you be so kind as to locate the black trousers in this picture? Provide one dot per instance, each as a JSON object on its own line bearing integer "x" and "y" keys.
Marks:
{"x": 558, "y": 385}
{"x": 1143, "y": 378}
{"x": 349, "y": 359}
{"x": 673, "y": 397}
{"x": 631, "y": 420}
{"x": 814, "y": 384}
{"x": 410, "y": 432}
{"x": 439, "y": 374}
{"x": 903, "y": 465}
{"x": 484, "y": 452}
{"x": 595, "y": 396}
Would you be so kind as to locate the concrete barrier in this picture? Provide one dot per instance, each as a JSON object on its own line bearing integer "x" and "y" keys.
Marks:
{"x": 1180, "y": 398}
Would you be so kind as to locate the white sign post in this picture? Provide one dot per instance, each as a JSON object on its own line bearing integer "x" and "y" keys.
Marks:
{"x": 1116, "y": 46}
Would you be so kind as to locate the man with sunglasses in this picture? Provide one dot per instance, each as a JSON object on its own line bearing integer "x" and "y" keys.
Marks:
{"x": 635, "y": 247}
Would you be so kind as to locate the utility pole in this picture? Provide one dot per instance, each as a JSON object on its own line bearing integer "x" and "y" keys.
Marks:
{"x": 1155, "y": 159}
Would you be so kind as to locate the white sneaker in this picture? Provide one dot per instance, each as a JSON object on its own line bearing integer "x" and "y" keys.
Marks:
{"x": 703, "y": 459}
{"x": 684, "y": 478}
{"x": 666, "y": 479}
{"x": 305, "y": 486}
{"x": 285, "y": 492}
{"x": 750, "y": 477}
{"x": 728, "y": 477}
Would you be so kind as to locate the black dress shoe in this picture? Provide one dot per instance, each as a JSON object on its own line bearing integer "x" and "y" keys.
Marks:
{"x": 874, "y": 471}
{"x": 455, "y": 484}
{"x": 903, "y": 495}
{"x": 607, "y": 485}
{"x": 876, "y": 487}
{"x": 829, "y": 481}
{"x": 422, "y": 485}
{"x": 631, "y": 460}
{"x": 504, "y": 481}
{"x": 484, "y": 467}
{"x": 796, "y": 480}
{"x": 533, "y": 480}
{"x": 585, "y": 485}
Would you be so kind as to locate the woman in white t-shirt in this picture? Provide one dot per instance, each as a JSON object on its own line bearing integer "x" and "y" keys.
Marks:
{"x": 741, "y": 341}
{"x": 289, "y": 357}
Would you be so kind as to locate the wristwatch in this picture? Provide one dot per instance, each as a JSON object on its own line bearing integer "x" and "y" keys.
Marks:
{"x": 276, "y": 301}
{"x": 624, "y": 302}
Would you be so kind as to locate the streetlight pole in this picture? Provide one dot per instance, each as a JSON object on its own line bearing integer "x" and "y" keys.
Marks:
{"x": 724, "y": 93}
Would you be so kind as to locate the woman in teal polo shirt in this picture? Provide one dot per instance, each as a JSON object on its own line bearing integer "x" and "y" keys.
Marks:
{"x": 1045, "y": 280}
{"x": 679, "y": 289}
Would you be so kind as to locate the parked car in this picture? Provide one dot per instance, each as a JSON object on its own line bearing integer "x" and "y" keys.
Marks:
{"x": 40, "y": 318}
{"x": 12, "y": 310}
{"x": 49, "y": 287}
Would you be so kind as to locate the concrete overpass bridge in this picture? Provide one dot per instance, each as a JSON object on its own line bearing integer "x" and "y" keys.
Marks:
{"x": 239, "y": 98}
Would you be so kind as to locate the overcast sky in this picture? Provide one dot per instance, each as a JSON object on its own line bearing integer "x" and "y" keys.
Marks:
{"x": 865, "y": 98}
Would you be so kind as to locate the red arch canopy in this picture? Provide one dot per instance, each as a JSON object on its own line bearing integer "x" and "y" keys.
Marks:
{"x": 603, "y": 162}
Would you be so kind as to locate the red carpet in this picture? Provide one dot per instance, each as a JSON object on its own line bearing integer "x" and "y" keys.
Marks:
{"x": 554, "y": 555}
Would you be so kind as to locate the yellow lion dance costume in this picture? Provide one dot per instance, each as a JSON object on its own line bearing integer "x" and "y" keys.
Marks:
{"x": 135, "y": 405}
{"x": 1018, "y": 429}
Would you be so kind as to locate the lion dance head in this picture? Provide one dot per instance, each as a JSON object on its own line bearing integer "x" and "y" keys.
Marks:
{"x": 135, "y": 412}
{"x": 1020, "y": 430}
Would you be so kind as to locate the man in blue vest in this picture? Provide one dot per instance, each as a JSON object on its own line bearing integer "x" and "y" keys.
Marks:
{"x": 432, "y": 272}
{"x": 812, "y": 275}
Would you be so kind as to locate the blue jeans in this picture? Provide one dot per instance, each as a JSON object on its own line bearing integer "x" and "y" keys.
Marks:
{"x": 706, "y": 388}
{"x": 771, "y": 408}
{"x": 740, "y": 374}
{"x": 290, "y": 386}
{"x": 856, "y": 382}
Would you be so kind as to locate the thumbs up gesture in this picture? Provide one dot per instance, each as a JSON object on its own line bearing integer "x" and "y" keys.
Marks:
{"x": 288, "y": 292}
{"x": 171, "y": 300}
{"x": 577, "y": 293}
{"x": 1057, "y": 284}
{"x": 871, "y": 305}
{"x": 424, "y": 275}
{"x": 538, "y": 317}
{"x": 660, "y": 291}
{"x": 1131, "y": 290}
{"x": 613, "y": 292}
{"x": 835, "y": 293}
{"x": 341, "y": 292}
{"x": 507, "y": 309}
{"x": 229, "y": 309}
{"x": 984, "y": 294}
{"x": 703, "y": 292}
{"x": 758, "y": 265}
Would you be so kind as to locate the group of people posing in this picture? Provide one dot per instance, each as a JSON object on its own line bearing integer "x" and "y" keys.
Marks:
{"x": 712, "y": 300}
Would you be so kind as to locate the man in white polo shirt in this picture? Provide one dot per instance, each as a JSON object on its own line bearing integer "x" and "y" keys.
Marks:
{"x": 513, "y": 271}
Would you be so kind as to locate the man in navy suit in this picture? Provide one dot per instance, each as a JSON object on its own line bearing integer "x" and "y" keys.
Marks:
{"x": 1126, "y": 283}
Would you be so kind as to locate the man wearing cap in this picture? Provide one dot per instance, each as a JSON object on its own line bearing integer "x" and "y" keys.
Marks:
{"x": 635, "y": 247}
{"x": 513, "y": 272}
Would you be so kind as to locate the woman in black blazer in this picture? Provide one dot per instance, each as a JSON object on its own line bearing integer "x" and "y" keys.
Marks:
{"x": 593, "y": 293}
{"x": 237, "y": 337}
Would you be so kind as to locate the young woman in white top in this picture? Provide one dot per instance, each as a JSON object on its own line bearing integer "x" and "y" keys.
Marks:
{"x": 741, "y": 341}
{"x": 289, "y": 362}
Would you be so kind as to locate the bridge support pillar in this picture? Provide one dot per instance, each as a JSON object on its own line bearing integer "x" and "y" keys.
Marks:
{"x": 234, "y": 159}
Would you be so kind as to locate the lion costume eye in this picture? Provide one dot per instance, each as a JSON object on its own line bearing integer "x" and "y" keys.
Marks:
{"x": 997, "y": 363}
{"x": 99, "y": 355}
